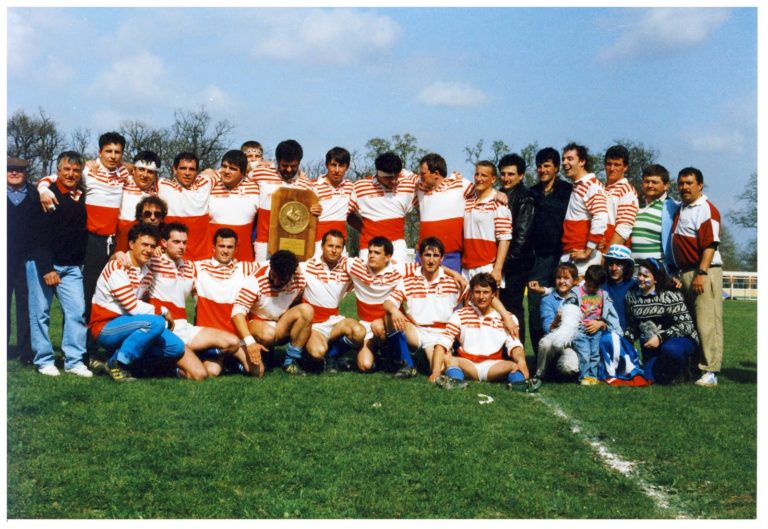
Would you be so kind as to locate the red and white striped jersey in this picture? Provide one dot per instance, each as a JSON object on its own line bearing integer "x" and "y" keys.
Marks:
{"x": 695, "y": 228}
{"x": 325, "y": 288}
{"x": 217, "y": 285}
{"x": 587, "y": 215}
{"x": 428, "y": 304}
{"x": 486, "y": 222}
{"x": 103, "y": 195}
{"x": 441, "y": 211}
{"x": 372, "y": 290}
{"x": 382, "y": 210}
{"x": 235, "y": 209}
{"x": 267, "y": 180}
{"x": 174, "y": 282}
{"x": 335, "y": 203}
{"x": 480, "y": 337}
{"x": 261, "y": 301}
{"x": 190, "y": 207}
{"x": 132, "y": 195}
{"x": 623, "y": 205}
{"x": 119, "y": 291}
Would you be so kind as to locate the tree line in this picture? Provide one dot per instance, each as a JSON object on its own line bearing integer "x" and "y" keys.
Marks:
{"x": 37, "y": 138}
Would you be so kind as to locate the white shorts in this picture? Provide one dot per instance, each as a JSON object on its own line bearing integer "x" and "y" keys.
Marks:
{"x": 582, "y": 266}
{"x": 399, "y": 255}
{"x": 325, "y": 327}
{"x": 428, "y": 336}
{"x": 469, "y": 273}
{"x": 185, "y": 330}
{"x": 483, "y": 368}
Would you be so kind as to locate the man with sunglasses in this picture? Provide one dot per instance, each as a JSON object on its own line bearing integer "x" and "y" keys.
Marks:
{"x": 151, "y": 210}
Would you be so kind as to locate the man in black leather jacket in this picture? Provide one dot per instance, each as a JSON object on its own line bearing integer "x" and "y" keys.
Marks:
{"x": 519, "y": 260}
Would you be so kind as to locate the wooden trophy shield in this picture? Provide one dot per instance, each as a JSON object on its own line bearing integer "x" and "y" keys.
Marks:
{"x": 291, "y": 225}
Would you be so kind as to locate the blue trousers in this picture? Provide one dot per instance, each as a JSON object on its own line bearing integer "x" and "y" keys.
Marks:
{"x": 664, "y": 364}
{"x": 587, "y": 346}
{"x": 142, "y": 337}
{"x": 72, "y": 301}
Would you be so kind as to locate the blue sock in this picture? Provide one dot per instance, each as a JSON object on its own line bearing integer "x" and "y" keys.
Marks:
{"x": 455, "y": 373}
{"x": 292, "y": 354}
{"x": 333, "y": 349}
{"x": 398, "y": 347}
{"x": 211, "y": 352}
{"x": 515, "y": 377}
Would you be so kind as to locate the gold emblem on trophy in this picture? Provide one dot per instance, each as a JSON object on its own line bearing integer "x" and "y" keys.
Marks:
{"x": 294, "y": 217}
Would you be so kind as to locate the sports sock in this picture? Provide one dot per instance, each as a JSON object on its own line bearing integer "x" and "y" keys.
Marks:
{"x": 398, "y": 347}
{"x": 292, "y": 354}
{"x": 333, "y": 349}
{"x": 455, "y": 373}
{"x": 211, "y": 352}
{"x": 515, "y": 377}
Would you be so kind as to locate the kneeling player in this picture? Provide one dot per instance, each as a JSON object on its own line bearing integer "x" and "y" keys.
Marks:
{"x": 482, "y": 338}
{"x": 327, "y": 282}
{"x": 270, "y": 297}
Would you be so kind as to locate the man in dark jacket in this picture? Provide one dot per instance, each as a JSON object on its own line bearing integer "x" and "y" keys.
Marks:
{"x": 550, "y": 196}
{"x": 54, "y": 266}
{"x": 519, "y": 261}
{"x": 21, "y": 206}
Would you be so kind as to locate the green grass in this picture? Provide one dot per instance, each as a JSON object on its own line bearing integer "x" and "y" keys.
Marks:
{"x": 368, "y": 446}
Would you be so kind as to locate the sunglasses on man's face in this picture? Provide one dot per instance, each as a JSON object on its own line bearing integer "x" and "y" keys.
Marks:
{"x": 149, "y": 214}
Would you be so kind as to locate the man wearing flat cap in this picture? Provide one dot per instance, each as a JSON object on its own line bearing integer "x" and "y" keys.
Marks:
{"x": 21, "y": 203}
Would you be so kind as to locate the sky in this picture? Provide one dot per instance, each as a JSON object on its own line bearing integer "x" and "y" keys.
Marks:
{"x": 682, "y": 81}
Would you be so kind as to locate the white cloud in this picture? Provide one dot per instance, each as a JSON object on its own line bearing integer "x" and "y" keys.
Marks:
{"x": 659, "y": 31}
{"x": 138, "y": 78}
{"x": 337, "y": 36}
{"x": 449, "y": 94}
{"x": 717, "y": 141}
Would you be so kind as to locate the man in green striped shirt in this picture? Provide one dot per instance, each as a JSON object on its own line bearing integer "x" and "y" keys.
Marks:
{"x": 652, "y": 232}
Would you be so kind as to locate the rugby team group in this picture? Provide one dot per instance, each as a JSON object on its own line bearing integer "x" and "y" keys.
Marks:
{"x": 617, "y": 293}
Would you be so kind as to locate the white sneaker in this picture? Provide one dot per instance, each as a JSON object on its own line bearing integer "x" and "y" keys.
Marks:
{"x": 80, "y": 370}
{"x": 49, "y": 370}
{"x": 708, "y": 379}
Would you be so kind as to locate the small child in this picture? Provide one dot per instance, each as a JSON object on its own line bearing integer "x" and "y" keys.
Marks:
{"x": 598, "y": 316}
{"x": 561, "y": 321}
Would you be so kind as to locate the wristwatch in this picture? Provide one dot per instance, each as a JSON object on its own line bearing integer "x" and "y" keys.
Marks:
{"x": 701, "y": 272}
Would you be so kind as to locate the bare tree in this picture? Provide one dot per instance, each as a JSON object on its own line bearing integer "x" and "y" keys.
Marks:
{"x": 35, "y": 139}
{"x": 195, "y": 132}
{"x": 80, "y": 140}
{"x": 405, "y": 146}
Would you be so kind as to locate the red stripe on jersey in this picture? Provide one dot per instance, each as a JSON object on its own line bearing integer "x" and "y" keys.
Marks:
{"x": 262, "y": 225}
{"x": 478, "y": 252}
{"x": 368, "y": 312}
{"x": 216, "y": 315}
{"x": 101, "y": 220}
{"x": 449, "y": 231}
{"x": 199, "y": 245}
{"x": 178, "y": 313}
{"x": 498, "y": 355}
{"x": 323, "y": 313}
{"x": 328, "y": 225}
{"x": 392, "y": 229}
{"x": 100, "y": 316}
{"x": 123, "y": 227}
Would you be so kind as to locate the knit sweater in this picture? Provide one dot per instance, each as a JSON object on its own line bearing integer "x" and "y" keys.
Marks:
{"x": 666, "y": 310}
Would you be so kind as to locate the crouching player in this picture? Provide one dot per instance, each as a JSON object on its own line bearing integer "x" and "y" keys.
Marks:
{"x": 482, "y": 338}
{"x": 174, "y": 280}
{"x": 133, "y": 329}
{"x": 327, "y": 282}
{"x": 270, "y": 297}
{"x": 429, "y": 296}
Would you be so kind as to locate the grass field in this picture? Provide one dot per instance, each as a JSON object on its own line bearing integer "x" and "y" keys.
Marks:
{"x": 369, "y": 446}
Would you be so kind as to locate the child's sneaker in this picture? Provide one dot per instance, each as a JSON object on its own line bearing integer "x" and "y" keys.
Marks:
{"x": 589, "y": 381}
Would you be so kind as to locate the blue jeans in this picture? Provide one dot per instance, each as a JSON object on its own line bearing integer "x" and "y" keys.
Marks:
{"x": 587, "y": 346}
{"x": 70, "y": 294}
{"x": 143, "y": 336}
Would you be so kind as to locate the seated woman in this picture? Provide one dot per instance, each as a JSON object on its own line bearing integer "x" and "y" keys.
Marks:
{"x": 657, "y": 315}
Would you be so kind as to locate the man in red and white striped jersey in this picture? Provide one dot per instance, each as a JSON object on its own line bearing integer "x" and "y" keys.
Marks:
{"x": 621, "y": 197}
{"x": 380, "y": 204}
{"x": 218, "y": 280}
{"x": 428, "y": 299}
{"x": 234, "y": 202}
{"x": 334, "y": 193}
{"x": 482, "y": 339}
{"x": 268, "y": 180}
{"x": 327, "y": 282}
{"x": 141, "y": 184}
{"x": 695, "y": 242}
{"x": 133, "y": 329}
{"x": 441, "y": 202}
{"x": 586, "y": 218}
{"x": 487, "y": 227}
{"x": 187, "y": 196}
{"x": 268, "y": 312}
{"x": 174, "y": 281}
{"x": 103, "y": 182}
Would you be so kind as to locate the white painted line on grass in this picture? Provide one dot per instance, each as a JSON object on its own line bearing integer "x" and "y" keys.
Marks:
{"x": 626, "y": 468}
